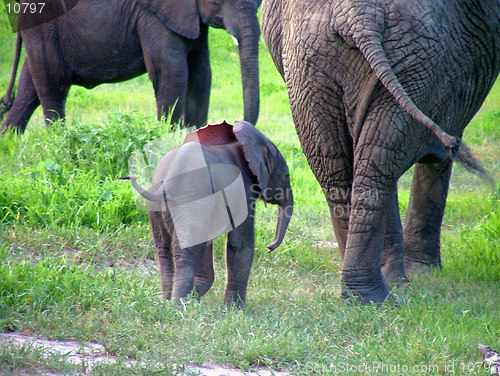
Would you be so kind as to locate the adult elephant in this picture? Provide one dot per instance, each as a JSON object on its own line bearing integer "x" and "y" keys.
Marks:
{"x": 101, "y": 42}
{"x": 361, "y": 75}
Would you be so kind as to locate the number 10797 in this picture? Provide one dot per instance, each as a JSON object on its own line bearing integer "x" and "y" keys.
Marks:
{"x": 17, "y": 8}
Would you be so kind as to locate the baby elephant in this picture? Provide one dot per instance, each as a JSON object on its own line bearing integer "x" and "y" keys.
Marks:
{"x": 207, "y": 187}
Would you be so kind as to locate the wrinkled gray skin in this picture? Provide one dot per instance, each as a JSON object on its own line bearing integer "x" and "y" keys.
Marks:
{"x": 265, "y": 175}
{"x": 360, "y": 77}
{"x": 97, "y": 43}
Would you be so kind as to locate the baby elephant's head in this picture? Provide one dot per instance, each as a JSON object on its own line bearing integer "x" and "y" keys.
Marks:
{"x": 271, "y": 170}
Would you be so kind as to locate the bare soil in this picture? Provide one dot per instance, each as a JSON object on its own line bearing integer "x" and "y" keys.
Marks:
{"x": 92, "y": 353}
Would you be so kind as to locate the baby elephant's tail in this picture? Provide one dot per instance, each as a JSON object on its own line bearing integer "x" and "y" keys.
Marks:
{"x": 156, "y": 196}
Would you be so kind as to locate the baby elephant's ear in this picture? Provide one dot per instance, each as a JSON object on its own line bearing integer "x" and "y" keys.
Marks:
{"x": 259, "y": 151}
{"x": 212, "y": 134}
{"x": 180, "y": 16}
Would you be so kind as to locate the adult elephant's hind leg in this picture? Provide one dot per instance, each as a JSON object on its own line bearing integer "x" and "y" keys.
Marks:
{"x": 24, "y": 104}
{"x": 324, "y": 136}
{"x": 422, "y": 230}
{"x": 393, "y": 253}
{"x": 361, "y": 267}
{"x": 380, "y": 158}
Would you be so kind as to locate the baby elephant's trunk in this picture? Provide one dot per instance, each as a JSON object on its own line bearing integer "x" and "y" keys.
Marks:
{"x": 285, "y": 214}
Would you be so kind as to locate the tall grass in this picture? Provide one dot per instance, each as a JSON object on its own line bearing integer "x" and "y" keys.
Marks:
{"x": 86, "y": 159}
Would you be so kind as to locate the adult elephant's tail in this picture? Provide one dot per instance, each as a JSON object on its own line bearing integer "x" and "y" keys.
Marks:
{"x": 8, "y": 98}
{"x": 369, "y": 42}
{"x": 375, "y": 55}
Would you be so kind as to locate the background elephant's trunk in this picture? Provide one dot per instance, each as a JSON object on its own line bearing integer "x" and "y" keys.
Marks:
{"x": 244, "y": 26}
{"x": 285, "y": 214}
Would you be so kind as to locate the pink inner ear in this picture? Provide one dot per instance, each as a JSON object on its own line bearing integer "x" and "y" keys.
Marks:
{"x": 213, "y": 134}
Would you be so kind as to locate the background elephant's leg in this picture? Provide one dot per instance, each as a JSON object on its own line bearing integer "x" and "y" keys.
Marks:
{"x": 163, "y": 243}
{"x": 198, "y": 90}
{"x": 25, "y": 102}
{"x": 170, "y": 90}
{"x": 165, "y": 57}
{"x": 393, "y": 254}
{"x": 187, "y": 261}
{"x": 205, "y": 276}
{"x": 53, "y": 99}
{"x": 239, "y": 259}
{"x": 49, "y": 74}
{"x": 422, "y": 230}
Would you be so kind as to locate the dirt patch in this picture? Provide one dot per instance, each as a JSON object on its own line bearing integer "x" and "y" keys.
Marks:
{"x": 93, "y": 353}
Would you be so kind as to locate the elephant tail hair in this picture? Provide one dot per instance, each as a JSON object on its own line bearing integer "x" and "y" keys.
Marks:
{"x": 372, "y": 50}
{"x": 150, "y": 196}
{"x": 465, "y": 157}
{"x": 8, "y": 99}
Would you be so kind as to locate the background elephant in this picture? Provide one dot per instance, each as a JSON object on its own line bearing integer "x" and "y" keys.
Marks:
{"x": 205, "y": 188}
{"x": 96, "y": 42}
{"x": 361, "y": 75}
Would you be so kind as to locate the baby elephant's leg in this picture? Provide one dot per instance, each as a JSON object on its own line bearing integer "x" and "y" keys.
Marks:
{"x": 239, "y": 259}
{"x": 187, "y": 262}
{"x": 163, "y": 241}
{"x": 204, "y": 277}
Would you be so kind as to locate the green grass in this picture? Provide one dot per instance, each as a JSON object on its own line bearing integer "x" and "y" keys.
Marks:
{"x": 34, "y": 360}
{"x": 77, "y": 257}
{"x": 31, "y": 360}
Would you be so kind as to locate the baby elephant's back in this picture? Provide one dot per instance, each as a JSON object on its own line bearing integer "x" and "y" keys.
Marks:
{"x": 194, "y": 171}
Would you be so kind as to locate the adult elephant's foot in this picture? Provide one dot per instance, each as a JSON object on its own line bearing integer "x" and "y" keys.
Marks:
{"x": 414, "y": 266}
{"x": 366, "y": 290}
{"x": 394, "y": 272}
{"x": 395, "y": 277}
{"x": 422, "y": 253}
